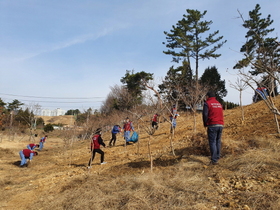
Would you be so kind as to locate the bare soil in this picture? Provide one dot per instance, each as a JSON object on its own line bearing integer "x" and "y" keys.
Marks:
{"x": 247, "y": 177}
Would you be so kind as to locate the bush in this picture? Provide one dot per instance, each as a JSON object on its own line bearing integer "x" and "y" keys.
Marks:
{"x": 48, "y": 128}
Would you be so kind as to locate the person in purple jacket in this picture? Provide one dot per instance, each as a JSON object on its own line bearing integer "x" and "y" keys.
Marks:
{"x": 26, "y": 154}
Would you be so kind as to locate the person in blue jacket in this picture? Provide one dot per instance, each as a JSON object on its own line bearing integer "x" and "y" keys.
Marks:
{"x": 116, "y": 129}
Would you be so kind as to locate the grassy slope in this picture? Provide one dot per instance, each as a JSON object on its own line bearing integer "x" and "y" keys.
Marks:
{"x": 247, "y": 178}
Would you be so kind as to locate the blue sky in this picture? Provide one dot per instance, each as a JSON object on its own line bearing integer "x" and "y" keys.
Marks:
{"x": 67, "y": 54}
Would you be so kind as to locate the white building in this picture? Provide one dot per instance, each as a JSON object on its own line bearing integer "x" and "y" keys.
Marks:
{"x": 56, "y": 112}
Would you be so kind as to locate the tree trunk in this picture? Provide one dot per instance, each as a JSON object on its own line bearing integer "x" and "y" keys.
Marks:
{"x": 277, "y": 123}
{"x": 242, "y": 109}
{"x": 150, "y": 153}
{"x": 171, "y": 140}
{"x": 194, "y": 120}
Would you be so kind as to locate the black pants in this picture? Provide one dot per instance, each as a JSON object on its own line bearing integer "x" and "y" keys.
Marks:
{"x": 114, "y": 138}
{"x": 155, "y": 125}
{"x": 93, "y": 155}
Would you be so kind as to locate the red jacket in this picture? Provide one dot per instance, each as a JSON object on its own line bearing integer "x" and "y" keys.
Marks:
{"x": 155, "y": 118}
{"x": 213, "y": 112}
{"x": 96, "y": 141}
{"x": 173, "y": 113}
{"x": 27, "y": 152}
{"x": 128, "y": 126}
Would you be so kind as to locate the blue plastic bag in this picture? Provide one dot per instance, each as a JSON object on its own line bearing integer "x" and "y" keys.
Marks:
{"x": 134, "y": 137}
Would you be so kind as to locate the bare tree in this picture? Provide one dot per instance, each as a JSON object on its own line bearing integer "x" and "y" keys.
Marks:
{"x": 193, "y": 99}
{"x": 118, "y": 99}
{"x": 240, "y": 85}
{"x": 249, "y": 79}
{"x": 163, "y": 109}
{"x": 29, "y": 116}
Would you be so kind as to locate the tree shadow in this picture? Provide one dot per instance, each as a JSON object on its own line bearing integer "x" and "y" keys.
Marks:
{"x": 193, "y": 150}
{"x": 80, "y": 165}
{"x": 160, "y": 134}
{"x": 160, "y": 161}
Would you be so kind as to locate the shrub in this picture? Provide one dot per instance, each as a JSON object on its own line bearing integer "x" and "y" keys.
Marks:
{"x": 48, "y": 128}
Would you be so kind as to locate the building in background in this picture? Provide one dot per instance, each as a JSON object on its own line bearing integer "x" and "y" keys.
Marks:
{"x": 56, "y": 112}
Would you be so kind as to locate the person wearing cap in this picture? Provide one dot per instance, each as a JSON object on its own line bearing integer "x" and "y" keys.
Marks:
{"x": 127, "y": 127}
{"x": 95, "y": 143}
{"x": 173, "y": 116}
{"x": 25, "y": 155}
{"x": 213, "y": 120}
{"x": 155, "y": 121}
{"x": 42, "y": 142}
{"x": 116, "y": 129}
{"x": 32, "y": 146}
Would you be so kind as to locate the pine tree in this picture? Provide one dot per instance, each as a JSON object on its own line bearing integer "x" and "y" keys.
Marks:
{"x": 212, "y": 80}
{"x": 185, "y": 40}
{"x": 261, "y": 53}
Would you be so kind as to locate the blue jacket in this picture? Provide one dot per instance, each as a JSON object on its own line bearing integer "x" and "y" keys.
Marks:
{"x": 116, "y": 129}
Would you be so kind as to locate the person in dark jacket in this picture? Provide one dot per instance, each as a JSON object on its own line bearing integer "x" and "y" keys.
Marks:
{"x": 116, "y": 129}
{"x": 32, "y": 146}
{"x": 95, "y": 143}
{"x": 213, "y": 120}
{"x": 25, "y": 155}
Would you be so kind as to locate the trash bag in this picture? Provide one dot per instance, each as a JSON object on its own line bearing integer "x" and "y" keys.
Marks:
{"x": 134, "y": 137}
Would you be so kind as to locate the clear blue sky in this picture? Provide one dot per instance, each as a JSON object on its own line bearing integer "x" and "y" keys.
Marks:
{"x": 74, "y": 51}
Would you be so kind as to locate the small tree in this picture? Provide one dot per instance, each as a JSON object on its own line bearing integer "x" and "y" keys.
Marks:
{"x": 48, "y": 128}
{"x": 133, "y": 83}
{"x": 73, "y": 112}
{"x": 212, "y": 80}
{"x": 118, "y": 99}
{"x": 240, "y": 86}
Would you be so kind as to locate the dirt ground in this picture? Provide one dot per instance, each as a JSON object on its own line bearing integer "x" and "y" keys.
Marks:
{"x": 61, "y": 165}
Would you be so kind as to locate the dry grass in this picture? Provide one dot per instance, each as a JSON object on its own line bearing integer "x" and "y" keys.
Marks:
{"x": 248, "y": 176}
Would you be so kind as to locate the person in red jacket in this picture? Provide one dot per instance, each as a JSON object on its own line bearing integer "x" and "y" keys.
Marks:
{"x": 95, "y": 143}
{"x": 25, "y": 155}
{"x": 213, "y": 120}
{"x": 155, "y": 121}
{"x": 42, "y": 142}
{"x": 32, "y": 146}
{"x": 127, "y": 128}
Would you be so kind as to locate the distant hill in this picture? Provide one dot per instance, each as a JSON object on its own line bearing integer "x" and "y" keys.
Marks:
{"x": 64, "y": 119}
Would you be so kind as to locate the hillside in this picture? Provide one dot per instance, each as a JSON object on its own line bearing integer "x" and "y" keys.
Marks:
{"x": 248, "y": 176}
{"x": 64, "y": 119}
